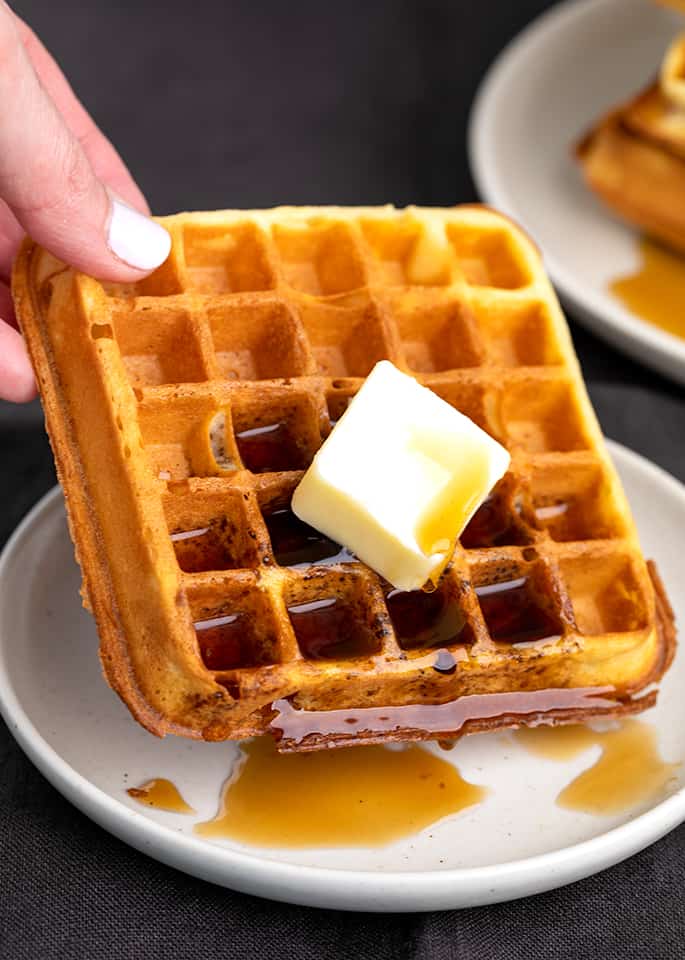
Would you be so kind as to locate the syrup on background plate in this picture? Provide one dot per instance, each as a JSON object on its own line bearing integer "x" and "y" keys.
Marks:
{"x": 656, "y": 291}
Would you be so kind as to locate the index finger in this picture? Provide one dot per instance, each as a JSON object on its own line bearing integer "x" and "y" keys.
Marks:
{"x": 105, "y": 160}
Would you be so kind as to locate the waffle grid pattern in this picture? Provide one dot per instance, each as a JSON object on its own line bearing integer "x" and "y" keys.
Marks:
{"x": 243, "y": 350}
{"x": 319, "y": 303}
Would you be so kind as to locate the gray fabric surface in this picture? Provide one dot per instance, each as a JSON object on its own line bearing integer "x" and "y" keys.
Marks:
{"x": 217, "y": 104}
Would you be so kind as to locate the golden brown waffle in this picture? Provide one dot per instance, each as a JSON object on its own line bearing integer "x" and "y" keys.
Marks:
{"x": 183, "y": 410}
{"x": 634, "y": 158}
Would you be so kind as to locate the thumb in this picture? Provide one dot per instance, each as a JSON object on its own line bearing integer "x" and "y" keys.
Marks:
{"x": 49, "y": 184}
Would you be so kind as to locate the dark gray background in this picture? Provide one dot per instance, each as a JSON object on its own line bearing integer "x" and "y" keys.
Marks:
{"x": 246, "y": 104}
{"x": 249, "y": 104}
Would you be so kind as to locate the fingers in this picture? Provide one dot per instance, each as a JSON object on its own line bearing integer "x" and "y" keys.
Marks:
{"x": 105, "y": 160}
{"x": 10, "y": 238}
{"x": 16, "y": 377}
{"x": 50, "y": 184}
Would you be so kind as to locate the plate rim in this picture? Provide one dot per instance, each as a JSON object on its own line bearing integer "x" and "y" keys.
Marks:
{"x": 332, "y": 887}
{"x": 618, "y": 325}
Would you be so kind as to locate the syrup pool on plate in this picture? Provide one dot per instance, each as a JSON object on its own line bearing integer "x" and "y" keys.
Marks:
{"x": 628, "y": 772}
{"x": 162, "y": 795}
{"x": 358, "y": 796}
{"x": 373, "y": 795}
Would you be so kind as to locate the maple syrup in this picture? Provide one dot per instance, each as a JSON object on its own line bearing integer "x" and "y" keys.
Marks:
{"x": 627, "y": 773}
{"x": 160, "y": 794}
{"x": 656, "y": 291}
{"x": 295, "y": 543}
{"x": 456, "y": 501}
{"x": 425, "y": 620}
{"x": 301, "y": 728}
{"x": 270, "y": 448}
{"x": 366, "y": 796}
{"x": 512, "y": 615}
{"x": 328, "y": 629}
{"x": 204, "y": 548}
{"x": 492, "y": 525}
{"x": 228, "y": 641}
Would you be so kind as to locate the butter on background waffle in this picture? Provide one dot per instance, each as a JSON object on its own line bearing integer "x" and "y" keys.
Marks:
{"x": 183, "y": 410}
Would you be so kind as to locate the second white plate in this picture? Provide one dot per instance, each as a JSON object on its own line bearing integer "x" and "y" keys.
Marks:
{"x": 541, "y": 94}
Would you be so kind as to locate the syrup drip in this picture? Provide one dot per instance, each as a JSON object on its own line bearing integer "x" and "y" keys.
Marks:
{"x": 295, "y": 543}
{"x": 367, "y": 796}
{"x": 628, "y": 772}
{"x": 456, "y": 502}
{"x": 295, "y": 727}
{"x": 656, "y": 291}
{"x": 160, "y": 794}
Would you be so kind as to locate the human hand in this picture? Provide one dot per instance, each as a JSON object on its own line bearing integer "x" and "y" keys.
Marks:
{"x": 62, "y": 182}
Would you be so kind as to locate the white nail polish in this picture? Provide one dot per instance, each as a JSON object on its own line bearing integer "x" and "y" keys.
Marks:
{"x": 135, "y": 238}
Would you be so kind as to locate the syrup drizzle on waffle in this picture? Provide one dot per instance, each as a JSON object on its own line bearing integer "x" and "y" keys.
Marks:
{"x": 303, "y": 729}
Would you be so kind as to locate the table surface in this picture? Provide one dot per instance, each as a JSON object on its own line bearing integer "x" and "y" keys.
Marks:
{"x": 219, "y": 105}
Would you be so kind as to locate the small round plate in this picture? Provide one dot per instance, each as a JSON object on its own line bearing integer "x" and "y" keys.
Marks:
{"x": 516, "y": 842}
{"x": 543, "y": 92}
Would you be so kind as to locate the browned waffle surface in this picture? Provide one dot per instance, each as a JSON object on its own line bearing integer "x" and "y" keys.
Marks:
{"x": 183, "y": 410}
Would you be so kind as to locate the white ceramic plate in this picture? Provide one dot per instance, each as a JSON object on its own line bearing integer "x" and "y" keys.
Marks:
{"x": 540, "y": 95}
{"x": 517, "y": 842}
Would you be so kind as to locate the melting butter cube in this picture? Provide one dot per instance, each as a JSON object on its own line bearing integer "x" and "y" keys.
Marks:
{"x": 399, "y": 478}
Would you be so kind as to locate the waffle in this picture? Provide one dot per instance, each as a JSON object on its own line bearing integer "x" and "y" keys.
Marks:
{"x": 183, "y": 410}
{"x": 634, "y": 158}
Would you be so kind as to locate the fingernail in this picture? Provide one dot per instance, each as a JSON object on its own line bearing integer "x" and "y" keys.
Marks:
{"x": 135, "y": 238}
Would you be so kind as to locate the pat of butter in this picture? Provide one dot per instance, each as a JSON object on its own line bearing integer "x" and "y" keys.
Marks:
{"x": 399, "y": 478}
